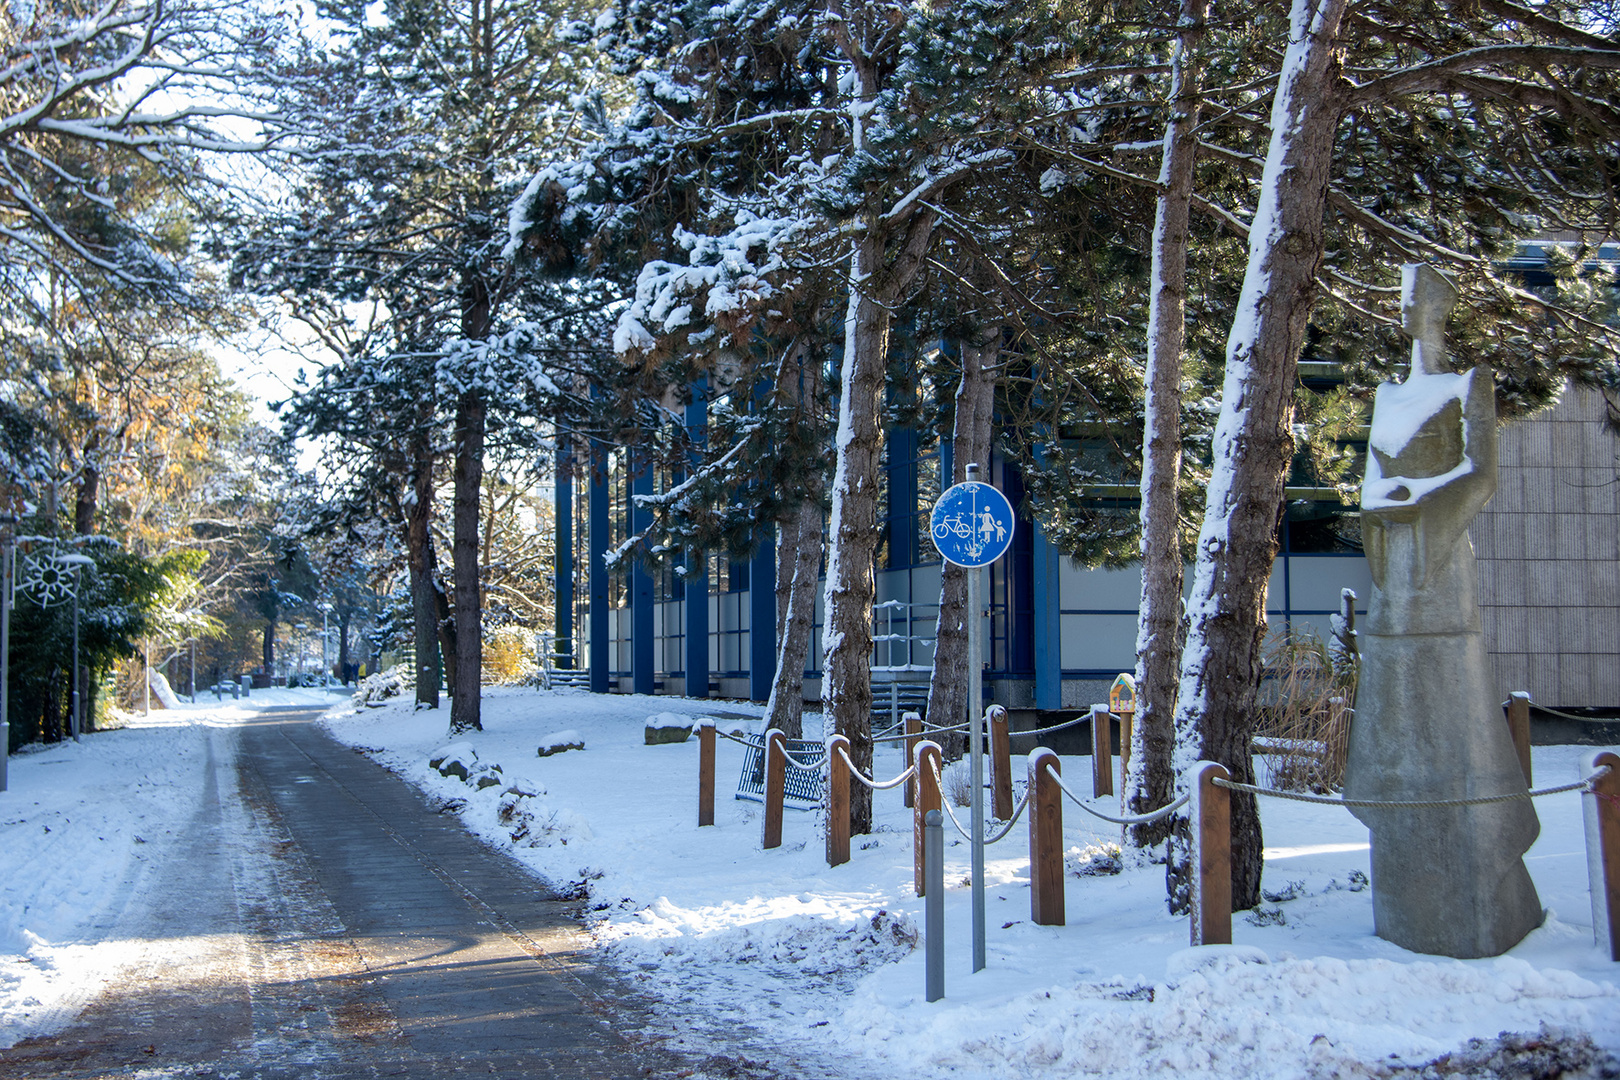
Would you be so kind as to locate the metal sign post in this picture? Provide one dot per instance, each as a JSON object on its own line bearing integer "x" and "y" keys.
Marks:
{"x": 972, "y": 525}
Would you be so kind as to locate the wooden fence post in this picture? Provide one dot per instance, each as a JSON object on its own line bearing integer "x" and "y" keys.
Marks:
{"x": 775, "y": 786}
{"x": 1000, "y": 765}
{"x": 1045, "y": 838}
{"x": 705, "y": 772}
{"x": 1211, "y": 855}
{"x": 929, "y": 759}
{"x": 1518, "y": 719}
{"x": 1602, "y": 812}
{"x": 1102, "y": 751}
{"x": 837, "y": 801}
{"x": 913, "y": 736}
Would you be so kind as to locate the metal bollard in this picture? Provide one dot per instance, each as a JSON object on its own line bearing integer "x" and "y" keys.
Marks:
{"x": 934, "y": 906}
{"x": 928, "y": 760}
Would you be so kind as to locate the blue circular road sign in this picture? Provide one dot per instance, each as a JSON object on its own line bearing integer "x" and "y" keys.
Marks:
{"x": 972, "y": 524}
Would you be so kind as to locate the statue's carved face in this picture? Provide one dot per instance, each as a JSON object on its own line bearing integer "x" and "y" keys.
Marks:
{"x": 1437, "y": 448}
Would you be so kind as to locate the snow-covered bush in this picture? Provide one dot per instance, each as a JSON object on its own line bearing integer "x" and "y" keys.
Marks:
{"x": 379, "y": 687}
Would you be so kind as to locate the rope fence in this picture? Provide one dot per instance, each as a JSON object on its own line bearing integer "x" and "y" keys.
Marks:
{"x": 1207, "y": 796}
{"x": 968, "y": 836}
{"x": 1137, "y": 819}
{"x": 885, "y": 785}
{"x": 1410, "y": 804}
{"x": 1084, "y": 718}
{"x": 794, "y": 763}
{"x": 1210, "y": 788}
{"x": 1550, "y": 711}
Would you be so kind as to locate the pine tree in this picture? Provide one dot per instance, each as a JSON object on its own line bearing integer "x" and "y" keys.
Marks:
{"x": 404, "y": 208}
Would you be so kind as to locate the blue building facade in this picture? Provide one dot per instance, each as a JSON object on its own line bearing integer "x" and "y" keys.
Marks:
{"x": 1055, "y": 633}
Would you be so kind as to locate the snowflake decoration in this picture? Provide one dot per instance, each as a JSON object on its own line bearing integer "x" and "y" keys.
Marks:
{"x": 46, "y": 579}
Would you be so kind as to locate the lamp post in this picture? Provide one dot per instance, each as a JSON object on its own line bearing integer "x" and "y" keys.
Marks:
{"x": 326, "y": 664}
{"x": 192, "y": 641}
{"x": 8, "y": 558}
{"x": 78, "y": 562}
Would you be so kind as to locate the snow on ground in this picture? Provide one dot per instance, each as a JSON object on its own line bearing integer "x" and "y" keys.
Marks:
{"x": 775, "y": 939}
{"x": 806, "y": 957}
{"x": 80, "y": 826}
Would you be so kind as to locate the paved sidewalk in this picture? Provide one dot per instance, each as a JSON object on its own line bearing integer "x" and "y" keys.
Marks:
{"x": 324, "y": 921}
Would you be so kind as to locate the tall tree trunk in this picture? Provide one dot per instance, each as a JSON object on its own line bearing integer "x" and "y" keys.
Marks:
{"x": 269, "y": 651}
{"x": 424, "y": 584}
{"x": 970, "y": 443}
{"x": 887, "y": 255}
{"x": 799, "y": 563}
{"x": 466, "y": 698}
{"x": 1220, "y": 671}
{"x": 343, "y": 647}
{"x": 1151, "y": 781}
{"x": 88, "y": 495}
{"x": 846, "y": 692}
{"x": 785, "y": 709}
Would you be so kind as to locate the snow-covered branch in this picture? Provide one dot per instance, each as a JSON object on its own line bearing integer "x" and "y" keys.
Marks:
{"x": 675, "y": 497}
{"x": 1440, "y": 74}
{"x": 932, "y": 184}
{"x": 732, "y": 273}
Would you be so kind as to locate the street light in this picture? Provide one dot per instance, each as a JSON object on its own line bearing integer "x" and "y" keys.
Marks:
{"x": 326, "y": 665}
{"x": 8, "y": 559}
{"x": 78, "y": 562}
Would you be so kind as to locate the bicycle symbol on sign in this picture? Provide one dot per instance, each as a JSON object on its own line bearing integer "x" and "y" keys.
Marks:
{"x": 972, "y": 524}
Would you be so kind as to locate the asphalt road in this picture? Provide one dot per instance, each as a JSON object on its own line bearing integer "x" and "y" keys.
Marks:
{"x": 320, "y": 919}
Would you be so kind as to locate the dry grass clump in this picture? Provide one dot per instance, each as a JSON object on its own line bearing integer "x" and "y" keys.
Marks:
{"x": 1305, "y": 706}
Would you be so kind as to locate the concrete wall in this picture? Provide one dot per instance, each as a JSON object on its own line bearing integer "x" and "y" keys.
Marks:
{"x": 1549, "y": 557}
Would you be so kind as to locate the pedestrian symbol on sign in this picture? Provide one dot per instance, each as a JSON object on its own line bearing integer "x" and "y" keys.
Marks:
{"x": 972, "y": 524}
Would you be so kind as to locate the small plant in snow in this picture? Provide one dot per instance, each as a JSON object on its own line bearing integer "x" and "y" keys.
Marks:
{"x": 1292, "y": 891}
{"x": 1266, "y": 917}
{"x": 1093, "y": 860}
{"x": 1357, "y": 883}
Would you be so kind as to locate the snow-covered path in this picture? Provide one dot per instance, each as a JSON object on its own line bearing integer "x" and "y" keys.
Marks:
{"x": 309, "y": 916}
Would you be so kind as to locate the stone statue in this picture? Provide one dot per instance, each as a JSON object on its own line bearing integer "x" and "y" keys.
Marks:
{"x": 1446, "y": 880}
